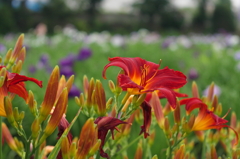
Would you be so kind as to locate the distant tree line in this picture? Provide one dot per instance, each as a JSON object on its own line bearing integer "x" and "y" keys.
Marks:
{"x": 86, "y": 15}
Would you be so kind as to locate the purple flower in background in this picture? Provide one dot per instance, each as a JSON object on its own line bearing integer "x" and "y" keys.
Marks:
{"x": 84, "y": 54}
{"x": 43, "y": 61}
{"x": 68, "y": 61}
{"x": 32, "y": 69}
{"x": 2, "y": 48}
{"x": 193, "y": 74}
{"x": 237, "y": 55}
{"x": 74, "y": 91}
{"x": 66, "y": 71}
{"x": 166, "y": 43}
{"x": 216, "y": 91}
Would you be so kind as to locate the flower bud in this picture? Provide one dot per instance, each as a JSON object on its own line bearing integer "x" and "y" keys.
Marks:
{"x": 112, "y": 86}
{"x": 9, "y": 111}
{"x": 22, "y": 55}
{"x": 213, "y": 153}
{"x": 70, "y": 83}
{"x": 214, "y": 103}
{"x": 87, "y": 136}
{"x": 7, "y": 57}
{"x": 95, "y": 147}
{"x": 65, "y": 147}
{"x": 155, "y": 157}
{"x": 233, "y": 121}
{"x": 210, "y": 92}
{"x": 100, "y": 98}
{"x": 32, "y": 103}
{"x": 16, "y": 51}
{"x": 195, "y": 90}
{"x": 85, "y": 85}
{"x": 73, "y": 148}
{"x": 35, "y": 128}
{"x": 127, "y": 103}
{"x": 167, "y": 126}
{"x": 59, "y": 110}
{"x": 180, "y": 152}
{"x": 90, "y": 91}
{"x": 50, "y": 95}
{"x": 139, "y": 151}
{"x": 8, "y": 137}
{"x": 177, "y": 113}
{"x": 3, "y": 74}
{"x": 18, "y": 67}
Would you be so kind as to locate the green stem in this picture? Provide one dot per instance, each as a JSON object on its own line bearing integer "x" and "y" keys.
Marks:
{"x": 204, "y": 147}
{"x": 130, "y": 144}
{"x": 1, "y": 137}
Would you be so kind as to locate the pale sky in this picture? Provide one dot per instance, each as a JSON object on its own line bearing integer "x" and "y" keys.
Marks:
{"x": 124, "y": 5}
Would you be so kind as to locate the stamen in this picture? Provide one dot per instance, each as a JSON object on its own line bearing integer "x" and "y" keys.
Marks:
{"x": 227, "y": 113}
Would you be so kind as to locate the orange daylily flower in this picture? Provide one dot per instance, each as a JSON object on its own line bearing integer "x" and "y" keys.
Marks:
{"x": 205, "y": 119}
{"x": 141, "y": 76}
{"x": 14, "y": 83}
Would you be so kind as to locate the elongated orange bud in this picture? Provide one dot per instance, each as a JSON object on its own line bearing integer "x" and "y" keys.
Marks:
{"x": 73, "y": 147}
{"x": 32, "y": 103}
{"x": 70, "y": 83}
{"x": 90, "y": 91}
{"x": 112, "y": 86}
{"x": 86, "y": 139}
{"x": 22, "y": 55}
{"x": 157, "y": 109}
{"x": 195, "y": 90}
{"x": 50, "y": 95}
{"x": 177, "y": 114}
{"x": 9, "y": 111}
{"x": 95, "y": 147}
{"x": 8, "y": 137}
{"x": 7, "y": 57}
{"x": 16, "y": 51}
{"x": 61, "y": 85}
{"x": 210, "y": 92}
{"x": 215, "y": 103}
{"x": 180, "y": 152}
{"x": 166, "y": 126}
{"x": 233, "y": 121}
{"x": 100, "y": 98}
{"x": 65, "y": 148}
{"x": 213, "y": 153}
{"x": 17, "y": 68}
{"x": 56, "y": 115}
{"x": 3, "y": 73}
{"x": 127, "y": 103}
{"x": 85, "y": 85}
{"x": 139, "y": 151}
{"x": 35, "y": 128}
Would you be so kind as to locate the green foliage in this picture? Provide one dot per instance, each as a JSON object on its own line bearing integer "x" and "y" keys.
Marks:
{"x": 223, "y": 17}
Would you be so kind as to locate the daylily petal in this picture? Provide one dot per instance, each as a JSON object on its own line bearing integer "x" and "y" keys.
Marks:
{"x": 170, "y": 95}
{"x": 14, "y": 78}
{"x": 19, "y": 89}
{"x": 147, "y": 116}
{"x": 104, "y": 124}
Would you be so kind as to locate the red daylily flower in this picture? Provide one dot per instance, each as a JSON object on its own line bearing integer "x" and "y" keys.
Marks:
{"x": 14, "y": 83}
{"x": 205, "y": 119}
{"x": 141, "y": 76}
{"x": 104, "y": 124}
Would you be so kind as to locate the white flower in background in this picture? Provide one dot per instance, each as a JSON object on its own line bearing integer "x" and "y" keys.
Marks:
{"x": 118, "y": 40}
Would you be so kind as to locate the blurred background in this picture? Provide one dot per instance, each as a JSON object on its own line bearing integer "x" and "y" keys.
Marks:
{"x": 122, "y": 16}
{"x": 197, "y": 37}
